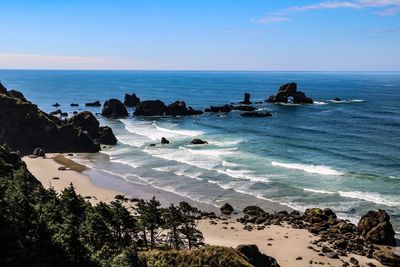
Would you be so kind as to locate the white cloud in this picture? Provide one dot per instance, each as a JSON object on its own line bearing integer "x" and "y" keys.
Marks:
{"x": 32, "y": 61}
{"x": 385, "y": 8}
{"x": 269, "y": 20}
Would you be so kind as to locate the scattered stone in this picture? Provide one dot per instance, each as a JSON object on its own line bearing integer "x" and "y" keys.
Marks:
{"x": 62, "y": 168}
{"x": 152, "y": 145}
{"x": 388, "y": 258}
{"x": 56, "y": 105}
{"x": 74, "y": 105}
{"x": 119, "y": 197}
{"x": 299, "y": 258}
{"x": 353, "y": 261}
{"x": 56, "y": 178}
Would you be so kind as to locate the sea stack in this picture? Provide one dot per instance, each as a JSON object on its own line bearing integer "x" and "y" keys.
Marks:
{"x": 289, "y": 90}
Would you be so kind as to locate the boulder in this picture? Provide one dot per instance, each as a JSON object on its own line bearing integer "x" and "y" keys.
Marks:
{"x": 255, "y": 257}
{"x": 198, "y": 142}
{"x": 131, "y": 100}
{"x": 226, "y": 209}
{"x": 106, "y": 136}
{"x": 256, "y": 114}
{"x": 219, "y": 109}
{"x": 87, "y": 122}
{"x": 178, "y": 108}
{"x": 376, "y": 226}
{"x": 289, "y": 90}
{"x": 253, "y": 210}
{"x": 337, "y": 99}
{"x": 246, "y": 100}
{"x": 74, "y": 105}
{"x": 39, "y": 152}
{"x": 113, "y": 108}
{"x": 164, "y": 140}
{"x": 93, "y": 104}
{"x": 24, "y": 127}
{"x": 150, "y": 108}
{"x": 56, "y": 105}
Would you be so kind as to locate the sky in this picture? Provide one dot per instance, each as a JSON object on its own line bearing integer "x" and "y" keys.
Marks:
{"x": 273, "y": 35}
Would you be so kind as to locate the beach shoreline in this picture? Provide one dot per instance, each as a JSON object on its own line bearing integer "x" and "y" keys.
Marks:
{"x": 224, "y": 231}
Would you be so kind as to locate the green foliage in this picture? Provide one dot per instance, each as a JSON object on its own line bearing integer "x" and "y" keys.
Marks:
{"x": 210, "y": 256}
{"x": 39, "y": 227}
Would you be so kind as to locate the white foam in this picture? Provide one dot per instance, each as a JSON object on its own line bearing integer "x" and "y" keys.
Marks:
{"x": 225, "y": 143}
{"x": 346, "y": 101}
{"x": 319, "y": 191}
{"x": 152, "y": 131}
{"x": 243, "y": 174}
{"x": 323, "y": 170}
{"x": 211, "y": 152}
{"x": 191, "y": 133}
{"x": 371, "y": 197}
{"x": 320, "y": 103}
{"x": 229, "y": 164}
{"x": 178, "y": 172}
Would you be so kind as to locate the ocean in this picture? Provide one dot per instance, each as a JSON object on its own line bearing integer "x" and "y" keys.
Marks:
{"x": 343, "y": 155}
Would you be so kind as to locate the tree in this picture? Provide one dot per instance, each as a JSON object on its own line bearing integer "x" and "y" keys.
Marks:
{"x": 150, "y": 218}
{"x": 188, "y": 225}
{"x": 173, "y": 218}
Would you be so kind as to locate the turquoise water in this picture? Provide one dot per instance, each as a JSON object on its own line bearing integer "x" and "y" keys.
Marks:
{"x": 340, "y": 155}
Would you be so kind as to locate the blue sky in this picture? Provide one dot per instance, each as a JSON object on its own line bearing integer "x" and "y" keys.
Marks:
{"x": 200, "y": 34}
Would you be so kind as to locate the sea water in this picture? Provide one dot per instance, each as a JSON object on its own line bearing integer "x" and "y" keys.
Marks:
{"x": 343, "y": 155}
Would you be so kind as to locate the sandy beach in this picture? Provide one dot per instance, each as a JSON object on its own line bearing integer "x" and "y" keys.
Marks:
{"x": 289, "y": 246}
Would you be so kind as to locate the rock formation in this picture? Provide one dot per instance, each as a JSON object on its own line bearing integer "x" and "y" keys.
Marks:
{"x": 246, "y": 99}
{"x": 289, "y": 90}
{"x": 24, "y": 127}
{"x": 113, "y": 108}
{"x": 219, "y": 109}
{"x": 376, "y": 226}
{"x": 226, "y": 209}
{"x": 164, "y": 140}
{"x": 255, "y": 257}
{"x": 158, "y": 108}
{"x": 88, "y": 122}
{"x": 131, "y": 100}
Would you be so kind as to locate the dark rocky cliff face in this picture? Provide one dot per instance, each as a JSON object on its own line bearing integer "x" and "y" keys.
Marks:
{"x": 23, "y": 126}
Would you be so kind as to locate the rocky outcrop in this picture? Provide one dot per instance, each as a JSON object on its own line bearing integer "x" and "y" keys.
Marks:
{"x": 131, "y": 100}
{"x": 17, "y": 94}
{"x": 74, "y": 105}
{"x": 290, "y": 90}
{"x": 255, "y": 257}
{"x": 256, "y": 114}
{"x": 178, "y": 108}
{"x": 376, "y": 226}
{"x": 246, "y": 99}
{"x": 226, "y": 209}
{"x": 198, "y": 142}
{"x": 3, "y": 89}
{"x": 93, "y": 104}
{"x": 219, "y": 109}
{"x": 87, "y": 121}
{"x": 24, "y": 127}
{"x": 106, "y": 136}
{"x": 158, "y": 108}
{"x": 113, "y": 108}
